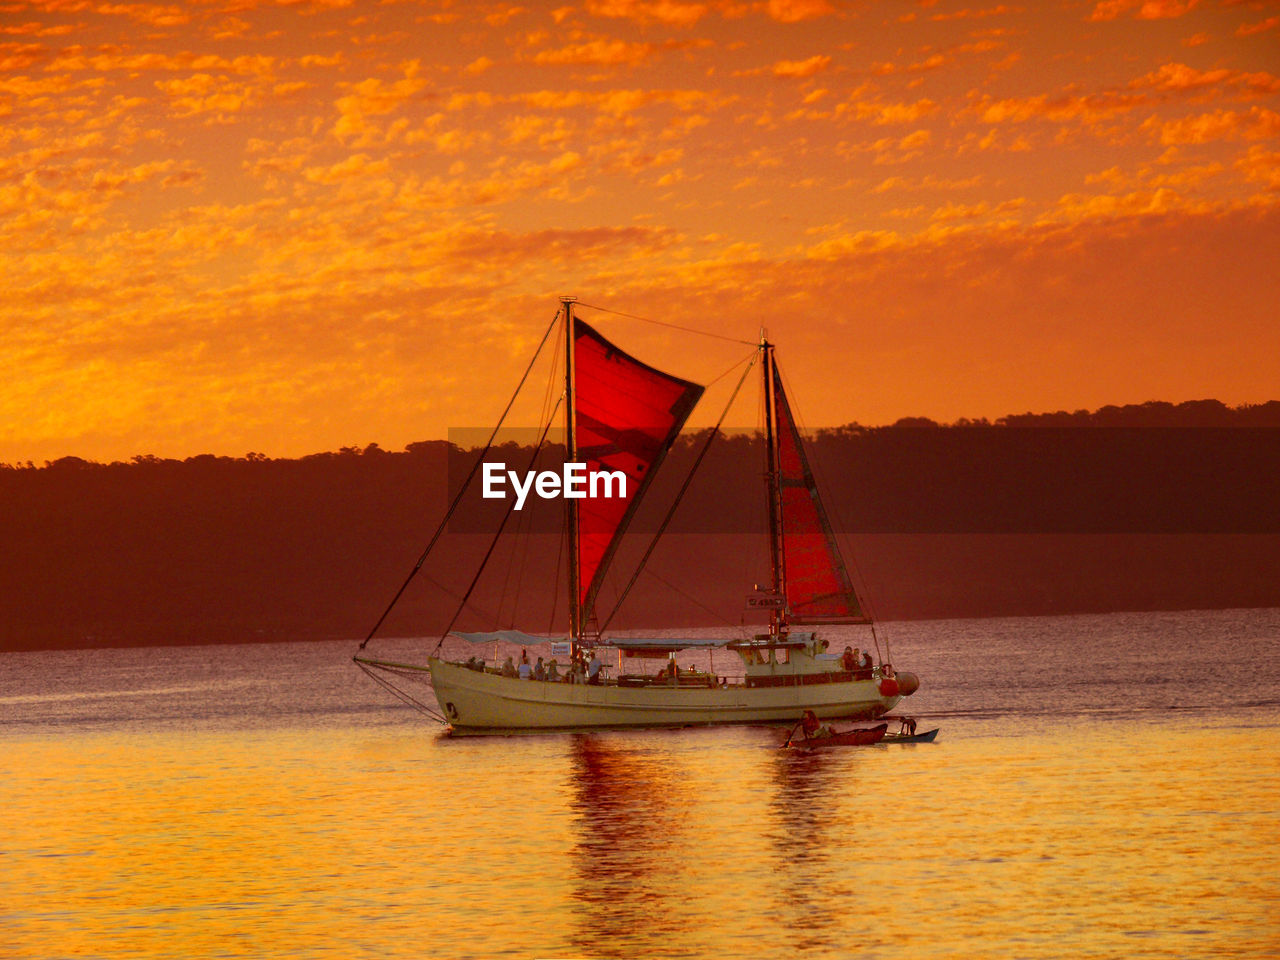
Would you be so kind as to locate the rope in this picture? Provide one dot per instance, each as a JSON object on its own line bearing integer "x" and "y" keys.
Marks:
{"x": 401, "y": 695}
{"x": 851, "y": 561}
{"x": 662, "y": 528}
{"x": 663, "y": 323}
{"x": 511, "y": 505}
{"x": 691, "y": 598}
{"x": 520, "y": 552}
{"x": 462, "y": 490}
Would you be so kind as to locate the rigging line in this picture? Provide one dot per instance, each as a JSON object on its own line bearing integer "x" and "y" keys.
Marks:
{"x": 401, "y": 695}
{"x": 511, "y": 505}
{"x": 517, "y": 562}
{"x": 555, "y": 594}
{"x": 663, "y": 323}
{"x": 692, "y": 599}
{"x": 662, "y": 528}
{"x": 750, "y": 357}
{"x": 863, "y": 595}
{"x": 463, "y": 489}
{"x": 453, "y": 594}
{"x": 524, "y": 530}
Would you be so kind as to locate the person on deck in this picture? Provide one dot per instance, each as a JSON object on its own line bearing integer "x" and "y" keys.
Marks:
{"x": 553, "y": 671}
{"x": 526, "y": 671}
{"x": 849, "y": 660}
{"x": 866, "y": 660}
{"x": 539, "y": 671}
{"x": 508, "y": 668}
{"x": 593, "y": 669}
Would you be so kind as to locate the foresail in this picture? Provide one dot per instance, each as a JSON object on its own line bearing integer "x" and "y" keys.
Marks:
{"x": 817, "y": 582}
{"x": 627, "y": 414}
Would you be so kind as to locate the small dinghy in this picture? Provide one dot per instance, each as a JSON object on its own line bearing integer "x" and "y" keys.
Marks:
{"x": 927, "y": 737}
{"x": 860, "y": 737}
{"x": 816, "y": 735}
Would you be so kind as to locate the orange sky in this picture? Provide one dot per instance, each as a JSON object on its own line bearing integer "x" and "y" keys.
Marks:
{"x": 288, "y": 226}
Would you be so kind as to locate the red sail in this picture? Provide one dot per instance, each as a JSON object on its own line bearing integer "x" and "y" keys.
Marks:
{"x": 628, "y": 414}
{"x": 817, "y": 583}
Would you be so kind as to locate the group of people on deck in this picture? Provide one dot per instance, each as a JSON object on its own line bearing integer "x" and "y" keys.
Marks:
{"x": 851, "y": 660}
{"x": 578, "y": 671}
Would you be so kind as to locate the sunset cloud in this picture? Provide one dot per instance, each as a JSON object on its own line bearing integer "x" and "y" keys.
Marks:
{"x": 801, "y": 68}
{"x": 1262, "y": 26}
{"x": 670, "y": 12}
{"x": 374, "y": 97}
{"x": 599, "y": 52}
{"x": 794, "y": 11}
{"x": 890, "y": 113}
{"x": 1143, "y": 9}
{"x": 1257, "y": 123}
{"x": 253, "y": 226}
{"x": 1180, "y": 78}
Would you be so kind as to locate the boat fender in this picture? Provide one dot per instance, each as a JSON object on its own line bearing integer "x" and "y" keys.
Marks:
{"x": 888, "y": 687}
{"x": 908, "y": 683}
{"x": 451, "y": 711}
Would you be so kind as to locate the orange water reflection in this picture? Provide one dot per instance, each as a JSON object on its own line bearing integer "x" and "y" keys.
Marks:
{"x": 1123, "y": 841}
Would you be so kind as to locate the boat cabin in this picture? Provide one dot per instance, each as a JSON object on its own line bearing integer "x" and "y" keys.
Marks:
{"x": 792, "y": 658}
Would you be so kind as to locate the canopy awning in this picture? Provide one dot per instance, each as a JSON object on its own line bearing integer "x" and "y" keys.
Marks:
{"x": 663, "y": 643}
{"x": 793, "y": 641}
{"x": 518, "y": 637}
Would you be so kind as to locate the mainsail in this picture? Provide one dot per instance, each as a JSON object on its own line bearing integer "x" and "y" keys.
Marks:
{"x": 627, "y": 415}
{"x": 815, "y": 579}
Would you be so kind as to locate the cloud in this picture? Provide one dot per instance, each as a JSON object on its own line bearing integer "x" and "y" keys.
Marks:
{"x": 1261, "y": 165}
{"x": 1145, "y": 9}
{"x": 1180, "y": 78}
{"x": 669, "y": 12}
{"x": 1065, "y": 108}
{"x": 928, "y": 182}
{"x": 203, "y": 93}
{"x": 970, "y": 13}
{"x": 108, "y": 59}
{"x": 148, "y": 13}
{"x": 374, "y": 97}
{"x": 356, "y": 166}
{"x": 1257, "y": 123}
{"x": 801, "y": 68}
{"x": 599, "y": 52}
{"x": 1253, "y": 29}
{"x": 1080, "y": 206}
{"x": 619, "y": 102}
{"x": 36, "y": 29}
{"x": 794, "y": 11}
{"x": 889, "y": 113}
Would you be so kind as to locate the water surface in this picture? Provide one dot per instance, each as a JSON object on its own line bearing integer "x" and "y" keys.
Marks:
{"x": 1102, "y": 787}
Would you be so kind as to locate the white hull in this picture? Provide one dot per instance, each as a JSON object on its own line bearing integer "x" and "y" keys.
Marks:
{"x": 474, "y": 701}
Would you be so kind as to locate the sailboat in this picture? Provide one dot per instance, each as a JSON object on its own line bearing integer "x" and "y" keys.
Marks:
{"x": 622, "y": 417}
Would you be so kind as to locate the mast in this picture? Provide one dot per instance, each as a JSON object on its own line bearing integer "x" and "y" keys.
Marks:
{"x": 571, "y": 456}
{"x": 773, "y": 483}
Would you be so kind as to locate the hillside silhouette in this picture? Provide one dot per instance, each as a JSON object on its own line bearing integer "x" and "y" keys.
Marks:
{"x": 1154, "y": 506}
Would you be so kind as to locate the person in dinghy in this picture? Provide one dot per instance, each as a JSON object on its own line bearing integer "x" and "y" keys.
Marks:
{"x": 814, "y": 729}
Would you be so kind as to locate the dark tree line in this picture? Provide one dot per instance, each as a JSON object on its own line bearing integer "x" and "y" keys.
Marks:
{"x": 1160, "y": 506}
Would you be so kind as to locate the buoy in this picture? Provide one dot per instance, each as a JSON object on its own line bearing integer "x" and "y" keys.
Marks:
{"x": 908, "y": 683}
{"x": 888, "y": 687}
